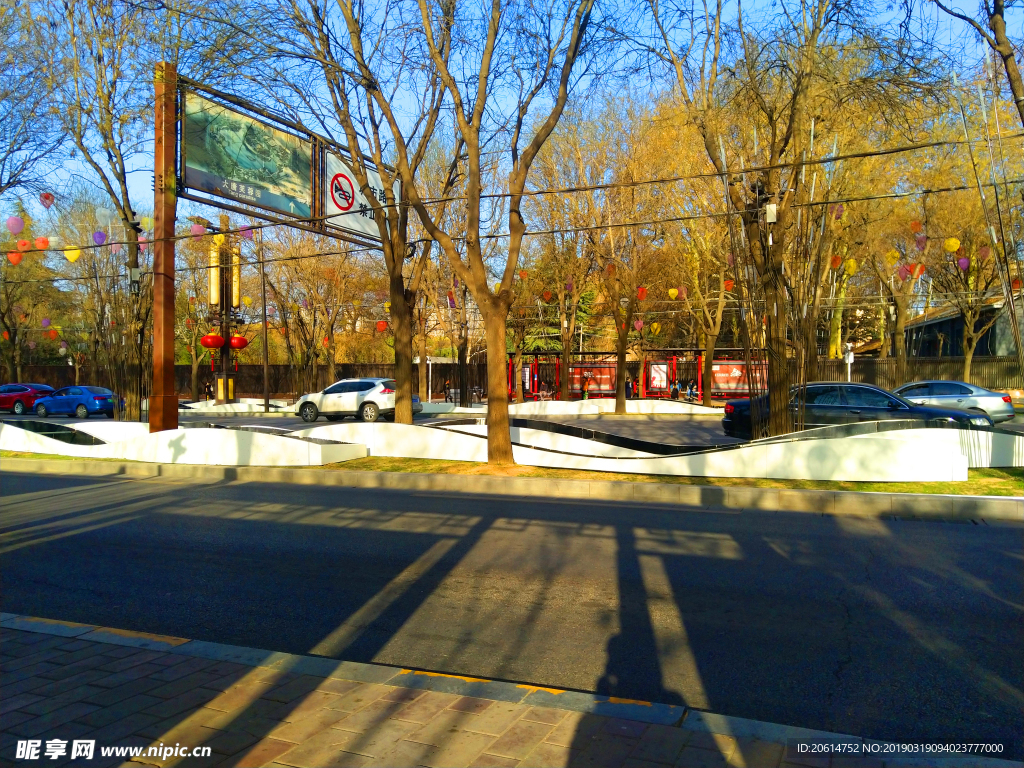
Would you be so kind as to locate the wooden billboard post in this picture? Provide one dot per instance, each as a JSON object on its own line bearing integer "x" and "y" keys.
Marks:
{"x": 163, "y": 401}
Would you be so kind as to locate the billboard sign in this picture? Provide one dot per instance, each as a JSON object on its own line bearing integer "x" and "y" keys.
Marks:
{"x": 232, "y": 155}
{"x": 729, "y": 377}
{"x": 659, "y": 376}
{"x": 601, "y": 378}
{"x": 345, "y": 205}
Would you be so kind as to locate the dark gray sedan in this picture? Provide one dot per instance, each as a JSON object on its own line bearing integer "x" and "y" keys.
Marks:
{"x": 957, "y": 394}
{"x": 830, "y": 403}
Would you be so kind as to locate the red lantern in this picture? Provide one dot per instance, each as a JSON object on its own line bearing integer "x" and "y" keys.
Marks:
{"x": 238, "y": 342}
{"x": 382, "y": 325}
{"x": 523, "y": 274}
{"x": 547, "y": 296}
{"x": 191, "y": 299}
{"x": 611, "y": 270}
{"x": 728, "y": 285}
{"x": 1015, "y": 285}
{"x": 7, "y": 336}
{"x": 14, "y": 257}
{"x": 42, "y": 243}
{"x": 24, "y": 245}
{"x": 53, "y": 334}
{"x": 284, "y": 331}
{"x": 326, "y": 342}
{"x": 188, "y": 322}
{"x": 212, "y": 341}
{"x": 641, "y": 293}
{"x": 837, "y": 262}
{"x": 917, "y": 270}
{"x": 916, "y": 227}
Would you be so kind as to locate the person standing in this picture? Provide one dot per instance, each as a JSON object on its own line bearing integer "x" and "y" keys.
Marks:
{"x": 447, "y": 391}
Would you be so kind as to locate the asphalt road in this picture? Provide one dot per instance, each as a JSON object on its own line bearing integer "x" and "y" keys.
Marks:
{"x": 886, "y": 629}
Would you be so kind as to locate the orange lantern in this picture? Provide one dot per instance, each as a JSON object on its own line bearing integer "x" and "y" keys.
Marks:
{"x": 42, "y": 243}
{"x": 382, "y": 325}
{"x": 728, "y": 285}
{"x": 14, "y": 257}
{"x": 916, "y": 227}
{"x": 547, "y": 296}
{"x": 641, "y": 293}
{"x": 917, "y": 270}
{"x": 24, "y": 245}
{"x": 522, "y": 274}
{"x": 837, "y": 262}
{"x": 53, "y": 334}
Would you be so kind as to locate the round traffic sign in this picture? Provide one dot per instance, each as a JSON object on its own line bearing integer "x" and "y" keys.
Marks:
{"x": 342, "y": 192}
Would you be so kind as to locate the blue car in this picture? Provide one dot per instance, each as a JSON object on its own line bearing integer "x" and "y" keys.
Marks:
{"x": 81, "y": 402}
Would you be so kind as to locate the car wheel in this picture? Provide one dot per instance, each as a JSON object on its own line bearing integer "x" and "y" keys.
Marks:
{"x": 369, "y": 412}
{"x": 82, "y": 412}
{"x": 41, "y": 411}
{"x": 19, "y": 408}
{"x": 308, "y": 412}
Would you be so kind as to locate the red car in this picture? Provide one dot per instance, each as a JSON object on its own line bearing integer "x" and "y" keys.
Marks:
{"x": 19, "y": 398}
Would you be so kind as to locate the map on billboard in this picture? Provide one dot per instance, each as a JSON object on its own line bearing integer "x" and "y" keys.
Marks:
{"x": 228, "y": 154}
{"x": 344, "y": 202}
{"x": 601, "y": 378}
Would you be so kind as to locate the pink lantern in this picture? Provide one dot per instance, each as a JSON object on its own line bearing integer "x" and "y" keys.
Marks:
{"x": 142, "y": 243}
{"x": 638, "y": 324}
{"x": 921, "y": 241}
{"x": 983, "y": 252}
{"x": 15, "y": 224}
{"x": 115, "y": 247}
{"x": 964, "y": 263}
{"x": 246, "y": 232}
{"x": 198, "y": 230}
{"x": 904, "y": 272}
{"x": 46, "y": 198}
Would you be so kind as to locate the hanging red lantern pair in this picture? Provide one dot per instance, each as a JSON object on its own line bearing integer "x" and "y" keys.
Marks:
{"x": 212, "y": 341}
{"x": 238, "y": 342}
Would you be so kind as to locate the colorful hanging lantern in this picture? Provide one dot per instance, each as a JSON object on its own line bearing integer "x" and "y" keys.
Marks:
{"x": 42, "y": 243}
{"x": 14, "y": 257}
{"x": 15, "y": 224}
{"x": 45, "y": 323}
{"x": 730, "y": 259}
{"x": 247, "y": 300}
{"x": 451, "y": 300}
{"x": 188, "y": 322}
{"x": 387, "y": 306}
{"x": 246, "y": 232}
{"x": 99, "y": 237}
{"x": 31, "y": 345}
{"x": 951, "y": 244}
{"x": 983, "y": 252}
{"x": 63, "y": 345}
{"x": 523, "y": 274}
{"x": 638, "y": 324}
{"x": 903, "y": 272}
{"x": 917, "y": 270}
{"x": 851, "y": 267}
{"x": 53, "y": 334}
{"x": 72, "y": 254}
{"x": 655, "y": 328}
{"x": 1015, "y": 285}
{"x": 7, "y": 336}
{"x": 238, "y": 342}
{"x": 568, "y": 287}
{"x": 47, "y": 199}
{"x": 838, "y": 211}
{"x": 382, "y": 325}
{"x": 147, "y": 223}
{"x": 916, "y": 227}
{"x": 212, "y": 340}
{"x": 964, "y": 263}
{"x": 219, "y": 238}
{"x": 142, "y": 243}
{"x": 326, "y": 341}
{"x": 837, "y": 262}
{"x": 682, "y": 291}
{"x": 197, "y": 230}
{"x": 115, "y": 248}
{"x": 547, "y": 296}
{"x": 610, "y": 269}
{"x": 892, "y": 256}
{"x": 728, "y": 285}
{"x": 672, "y": 293}
{"x": 103, "y": 216}
{"x": 24, "y": 245}
{"x": 921, "y": 242}
{"x": 641, "y": 293}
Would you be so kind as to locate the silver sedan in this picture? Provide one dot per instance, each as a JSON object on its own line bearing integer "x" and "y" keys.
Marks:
{"x": 957, "y": 394}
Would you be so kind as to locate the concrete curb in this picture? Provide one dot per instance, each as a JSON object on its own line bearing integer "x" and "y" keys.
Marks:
{"x": 494, "y": 690}
{"x": 845, "y": 503}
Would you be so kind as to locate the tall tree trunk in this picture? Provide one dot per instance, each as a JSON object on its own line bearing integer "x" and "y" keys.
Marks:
{"x": 779, "y": 417}
{"x": 710, "y": 340}
{"x": 835, "y": 335}
{"x": 421, "y": 369}
{"x": 499, "y": 440}
{"x": 901, "y": 347}
{"x": 968, "y": 357}
{"x": 563, "y": 384}
{"x": 883, "y": 332}
{"x": 195, "y": 378}
{"x": 517, "y": 373}
{"x": 401, "y": 323}
{"x": 620, "y": 370}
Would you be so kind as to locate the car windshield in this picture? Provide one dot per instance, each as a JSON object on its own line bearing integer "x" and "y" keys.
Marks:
{"x": 390, "y": 384}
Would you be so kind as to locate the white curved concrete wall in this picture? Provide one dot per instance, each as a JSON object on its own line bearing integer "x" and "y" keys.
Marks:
{"x": 982, "y": 449}
{"x": 222, "y": 447}
{"x": 408, "y": 441}
{"x": 539, "y": 438}
{"x": 607, "y": 405}
{"x": 109, "y": 430}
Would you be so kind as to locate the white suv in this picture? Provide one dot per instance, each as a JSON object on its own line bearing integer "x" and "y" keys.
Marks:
{"x": 366, "y": 399}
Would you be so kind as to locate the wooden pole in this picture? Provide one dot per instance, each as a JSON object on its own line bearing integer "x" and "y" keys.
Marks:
{"x": 266, "y": 349}
{"x": 163, "y": 400}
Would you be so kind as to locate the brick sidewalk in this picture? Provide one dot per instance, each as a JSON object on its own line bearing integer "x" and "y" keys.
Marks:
{"x": 67, "y": 688}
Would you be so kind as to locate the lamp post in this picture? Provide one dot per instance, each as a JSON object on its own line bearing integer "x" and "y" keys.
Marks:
{"x": 225, "y": 289}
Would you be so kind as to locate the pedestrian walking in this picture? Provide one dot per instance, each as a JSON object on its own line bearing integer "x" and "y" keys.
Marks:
{"x": 208, "y": 391}
{"x": 447, "y": 391}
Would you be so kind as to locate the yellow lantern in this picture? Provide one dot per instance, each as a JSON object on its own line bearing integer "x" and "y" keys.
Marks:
{"x": 672, "y": 293}
{"x": 851, "y": 267}
{"x": 952, "y": 245}
{"x": 147, "y": 223}
{"x": 655, "y": 328}
{"x": 387, "y": 306}
{"x": 247, "y": 300}
{"x": 72, "y": 254}
{"x": 218, "y": 238}
{"x": 892, "y": 256}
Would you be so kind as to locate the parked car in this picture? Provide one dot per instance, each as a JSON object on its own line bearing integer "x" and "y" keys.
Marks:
{"x": 831, "y": 403}
{"x": 81, "y": 402}
{"x": 957, "y": 394}
{"x": 20, "y": 398}
{"x": 366, "y": 399}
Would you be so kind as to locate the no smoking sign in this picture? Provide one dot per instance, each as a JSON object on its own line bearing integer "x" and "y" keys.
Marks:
{"x": 342, "y": 191}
